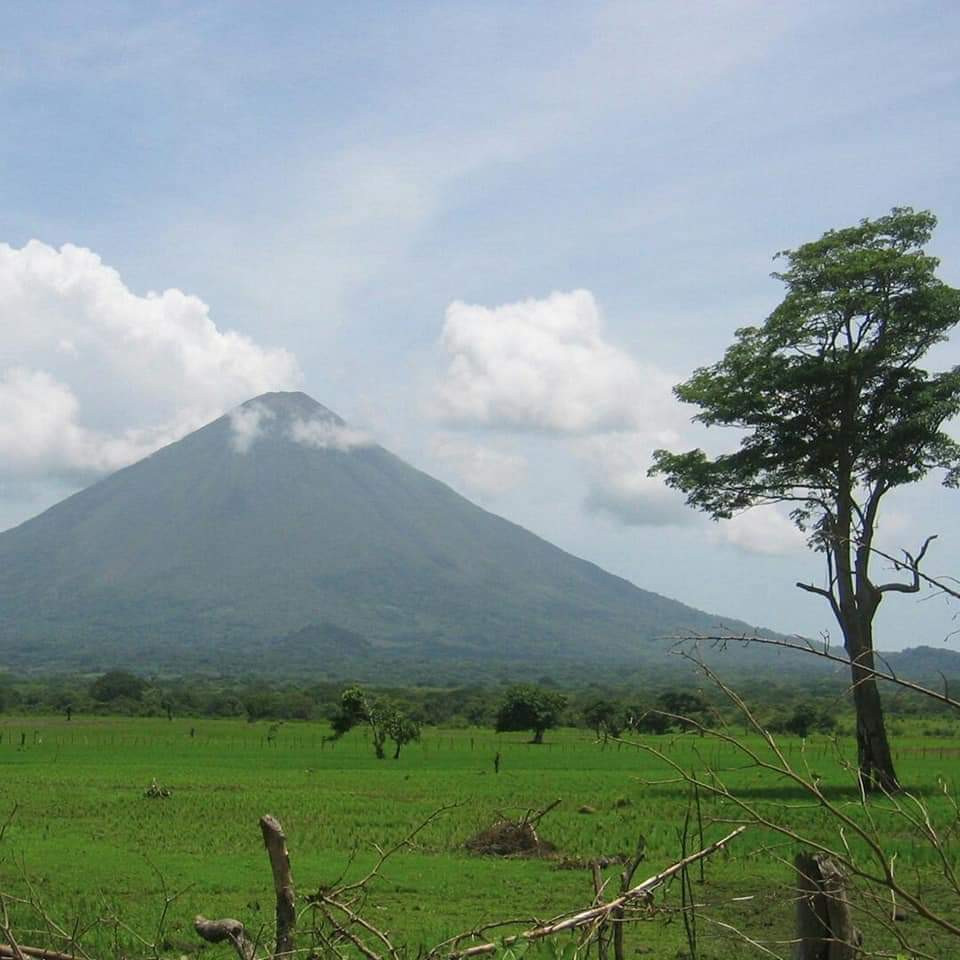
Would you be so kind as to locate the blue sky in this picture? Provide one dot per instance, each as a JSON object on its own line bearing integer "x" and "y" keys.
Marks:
{"x": 373, "y": 201}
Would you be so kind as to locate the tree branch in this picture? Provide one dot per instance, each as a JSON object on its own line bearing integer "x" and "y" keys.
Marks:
{"x": 809, "y": 648}
{"x": 912, "y": 564}
{"x": 822, "y": 592}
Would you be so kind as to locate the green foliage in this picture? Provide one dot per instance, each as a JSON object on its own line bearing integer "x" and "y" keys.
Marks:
{"x": 805, "y": 719}
{"x": 829, "y": 389}
{"x": 835, "y": 412}
{"x": 384, "y": 719}
{"x": 116, "y": 685}
{"x": 672, "y": 710}
{"x": 605, "y": 717}
{"x": 527, "y": 707}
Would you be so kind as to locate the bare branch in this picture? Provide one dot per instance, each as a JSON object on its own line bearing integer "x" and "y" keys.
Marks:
{"x": 910, "y": 564}
{"x": 822, "y": 592}
{"x": 601, "y": 912}
{"x": 808, "y": 647}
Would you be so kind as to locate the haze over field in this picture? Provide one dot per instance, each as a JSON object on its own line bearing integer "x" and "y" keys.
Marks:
{"x": 491, "y": 236}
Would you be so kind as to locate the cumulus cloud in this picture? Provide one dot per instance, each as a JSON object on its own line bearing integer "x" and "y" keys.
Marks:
{"x": 326, "y": 434}
{"x": 94, "y": 376}
{"x": 542, "y": 365}
{"x": 481, "y": 467}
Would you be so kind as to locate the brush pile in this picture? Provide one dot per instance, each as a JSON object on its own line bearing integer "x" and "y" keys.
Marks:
{"x": 513, "y": 838}
{"x": 156, "y": 791}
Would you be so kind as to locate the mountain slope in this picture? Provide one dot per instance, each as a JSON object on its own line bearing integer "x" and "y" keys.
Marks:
{"x": 278, "y": 518}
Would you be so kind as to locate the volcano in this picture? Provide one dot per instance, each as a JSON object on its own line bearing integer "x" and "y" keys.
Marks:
{"x": 278, "y": 534}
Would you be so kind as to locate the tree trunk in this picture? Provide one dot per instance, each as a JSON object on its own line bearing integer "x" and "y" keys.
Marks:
{"x": 874, "y": 759}
{"x": 855, "y": 612}
{"x": 537, "y": 736}
{"x": 396, "y": 753}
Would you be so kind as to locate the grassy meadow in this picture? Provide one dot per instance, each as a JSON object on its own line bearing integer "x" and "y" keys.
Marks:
{"x": 87, "y": 843}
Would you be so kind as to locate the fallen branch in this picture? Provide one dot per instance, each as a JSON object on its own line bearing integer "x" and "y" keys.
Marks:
{"x": 599, "y": 913}
{"x": 9, "y": 952}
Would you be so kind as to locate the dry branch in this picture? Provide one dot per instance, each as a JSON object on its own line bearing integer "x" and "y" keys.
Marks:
{"x": 598, "y": 914}
{"x": 803, "y": 645}
{"x": 7, "y": 952}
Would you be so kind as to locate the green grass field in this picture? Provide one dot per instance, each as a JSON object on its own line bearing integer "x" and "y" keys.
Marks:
{"x": 87, "y": 843}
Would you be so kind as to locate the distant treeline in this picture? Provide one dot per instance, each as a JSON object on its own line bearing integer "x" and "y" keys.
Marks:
{"x": 797, "y": 708}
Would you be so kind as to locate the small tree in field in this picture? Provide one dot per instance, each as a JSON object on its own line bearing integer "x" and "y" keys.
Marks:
{"x": 605, "y": 717}
{"x": 386, "y": 722}
{"x": 401, "y": 729}
{"x": 526, "y": 707}
{"x": 837, "y": 412}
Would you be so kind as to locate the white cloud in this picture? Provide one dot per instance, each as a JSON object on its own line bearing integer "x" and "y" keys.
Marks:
{"x": 542, "y": 365}
{"x": 326, "y": 434}
{"x": 247, "y": 425}
{"x": 616, "y": 466}
{"x": 93, "y": 376}
{"x": 480, "y": 467}
{"x": 763, "y": 530}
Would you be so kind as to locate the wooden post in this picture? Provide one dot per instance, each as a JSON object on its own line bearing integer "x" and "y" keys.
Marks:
{"x": 825, "y": 929}
{"x": 275, "y": 841}
{"x": 232, "y": 931}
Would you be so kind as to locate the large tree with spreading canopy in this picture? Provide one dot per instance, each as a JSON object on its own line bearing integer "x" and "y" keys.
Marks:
{"x": 837, "y": 411}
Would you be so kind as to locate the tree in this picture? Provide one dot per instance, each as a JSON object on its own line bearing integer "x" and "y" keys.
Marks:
{"x": 605, "y": 717}
{"x": 116, "y": 684}
{"x": 837, "y": 412}
{"x": 385, "y": 721}
{"x": 401, "y": 729}
{"x": 526, "y": 707}
{"x": 806, "y": 718}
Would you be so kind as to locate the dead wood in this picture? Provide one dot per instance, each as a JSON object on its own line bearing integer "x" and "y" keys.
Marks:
{"x": 9, "y": 952}
{"x": 825, "y": 929}
{"x": 275, "y": 841}
{"x": 513, "y": 838}
{"x": 594, "y": 915}
{"x": 510, "y": 838}
{"x": 226, "y": 930}
{"x": 233, "y": 931}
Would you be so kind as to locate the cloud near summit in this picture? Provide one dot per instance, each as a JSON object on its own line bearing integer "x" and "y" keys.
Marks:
{"x": 94, "y": 376}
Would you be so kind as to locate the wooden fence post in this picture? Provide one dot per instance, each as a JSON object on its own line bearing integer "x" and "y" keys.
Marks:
{"x": 825, "y": 929}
